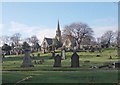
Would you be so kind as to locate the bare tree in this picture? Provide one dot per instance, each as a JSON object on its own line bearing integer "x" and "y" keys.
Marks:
{"x": 28, "y": 40}
{"x": 78, "y": 31}
{"x": 16, "y": 38}
{"x": 107, "y": 38}
{"x": 5, "y": 39}
{"x": 34, "y": 39}
{"x": 88, "y": 40}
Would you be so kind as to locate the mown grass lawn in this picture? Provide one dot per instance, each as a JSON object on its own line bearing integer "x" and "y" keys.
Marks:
{"x": 61, "y": 77}
{"x": 45, "y": 73}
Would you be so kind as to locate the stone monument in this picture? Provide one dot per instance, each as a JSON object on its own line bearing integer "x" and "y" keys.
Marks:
{"x": 63, "y": 55}
{"x": 27, "y": 61}
{"x": 75, "y": 60}
{"x": 57, "y": 61}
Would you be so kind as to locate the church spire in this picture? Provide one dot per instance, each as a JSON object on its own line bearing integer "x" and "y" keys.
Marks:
{"x": 58, "y": 28}
{"x": 58, "y": 32}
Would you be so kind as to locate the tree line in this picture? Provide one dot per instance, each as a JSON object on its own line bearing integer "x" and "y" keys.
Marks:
{"x": 12, "y": 44}
{"x": 80, "y": 32}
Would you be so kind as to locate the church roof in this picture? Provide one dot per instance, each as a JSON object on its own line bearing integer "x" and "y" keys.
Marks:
{"x": 49, "y": 40}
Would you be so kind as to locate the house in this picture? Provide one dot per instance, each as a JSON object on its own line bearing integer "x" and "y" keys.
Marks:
{"x": 69, "y": 43}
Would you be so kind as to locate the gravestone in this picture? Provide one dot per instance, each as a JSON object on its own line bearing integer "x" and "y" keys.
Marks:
{"x": 75, "y": 60}
{"x": 38, "y": 55}
{"x": 35, "y": 62}
{"x": 3, "y": 55}
{"x": 27, "y": 62}
{"x": 57, "y": 61}
{"x": 33, "y": 56}
{"x": 87, "y": 61}
{"x": 98, "y": 55}
{"x": 104, "y": 66}
{"x": 110, "y": 57}
{"x": 42, "y": 60}
{"x": 63, "y": 55}
{"x": 117, "y": 64}
{"x": 53, "y": 54}
{"x": 92, "y": 49}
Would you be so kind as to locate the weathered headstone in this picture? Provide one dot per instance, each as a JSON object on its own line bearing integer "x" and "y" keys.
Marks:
{"x": 57, "y": 61}
{"x": 42, "y": 60}
{"x": 38, "y": 55}
{"x": 75, "y": 60}
{"x": 98, "y": 55}
{"x": 3, "y": 55}
{"x": 35, "y": 62}
{"x": 52, "y": 54}
{"x": 110, "y": 57}
{"x": 27, "y": 62}
{"x": 93, "y": 67}
{"x": 92, "y": 49}
{"x": 117, "y": 64}
{"x": 33, "y": 56}
{"x": 63, "y": 55}
{"x": 104, "y": 66}
{"x": 87, "y": 61}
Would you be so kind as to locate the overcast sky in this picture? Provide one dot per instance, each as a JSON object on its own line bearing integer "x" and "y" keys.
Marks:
{"x": 40, "y": 19}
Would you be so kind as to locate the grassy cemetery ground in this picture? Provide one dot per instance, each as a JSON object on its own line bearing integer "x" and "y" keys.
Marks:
{"x": 46, "y": 73}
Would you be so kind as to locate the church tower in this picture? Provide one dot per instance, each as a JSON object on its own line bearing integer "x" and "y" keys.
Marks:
{"x": 58, "y": 32}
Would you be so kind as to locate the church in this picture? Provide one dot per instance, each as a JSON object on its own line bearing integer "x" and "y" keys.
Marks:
{"x": 48, "y": 43}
